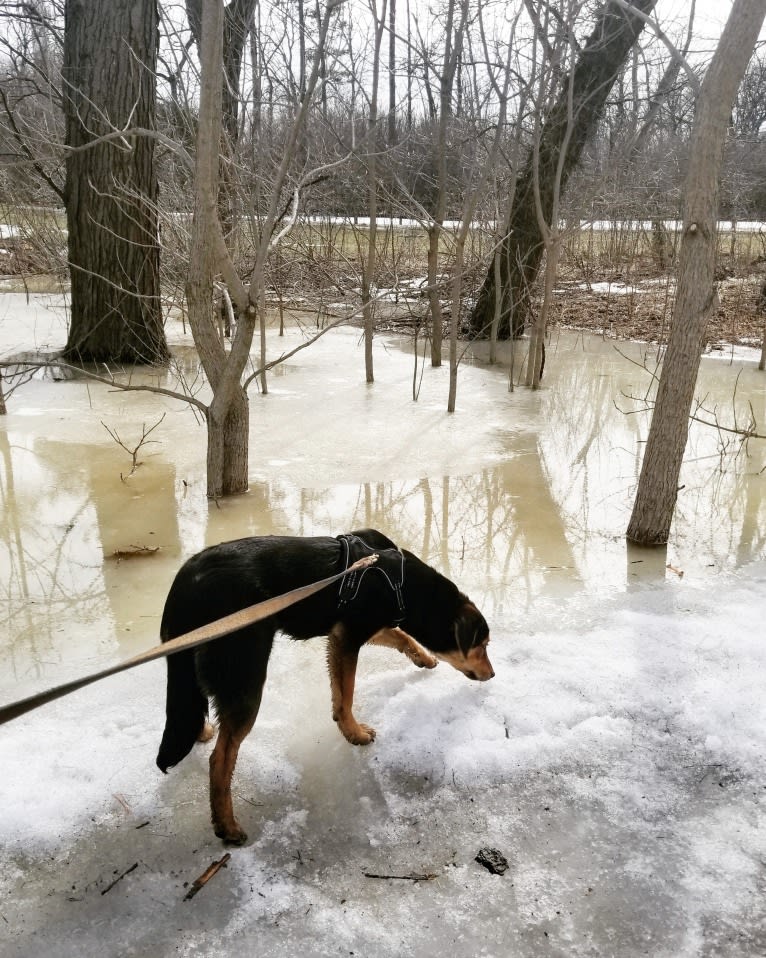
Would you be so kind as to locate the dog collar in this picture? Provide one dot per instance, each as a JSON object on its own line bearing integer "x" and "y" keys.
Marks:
{"x": 390, "y": 564}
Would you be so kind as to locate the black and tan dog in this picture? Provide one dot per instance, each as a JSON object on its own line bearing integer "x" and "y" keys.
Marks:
{"x": 397, "y": 598}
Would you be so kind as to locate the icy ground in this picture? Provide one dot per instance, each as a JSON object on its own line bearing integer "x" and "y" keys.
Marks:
{"x": 616, "y": 761}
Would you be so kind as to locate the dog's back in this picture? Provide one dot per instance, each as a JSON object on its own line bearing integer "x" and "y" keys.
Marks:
{"x": 398, "y": 602}
{"x": 216, "y": 582}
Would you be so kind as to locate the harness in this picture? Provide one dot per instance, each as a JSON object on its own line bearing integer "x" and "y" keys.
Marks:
{"x": 390, "y": 565}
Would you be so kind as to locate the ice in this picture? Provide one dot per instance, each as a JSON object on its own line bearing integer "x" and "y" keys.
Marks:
{"x": 616, "y": 760}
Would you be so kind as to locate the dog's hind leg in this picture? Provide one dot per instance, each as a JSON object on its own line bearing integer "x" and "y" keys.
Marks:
{"x": 233, "y": 671}
{"x": 231, "y": 734}
{"x": 396, "y": 638}
{"x": 342, "y": 656}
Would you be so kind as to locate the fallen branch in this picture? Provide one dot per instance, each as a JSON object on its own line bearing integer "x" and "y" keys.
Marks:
{"x": 205, "y": 877}
{"x": 413, "y": 877}
{"x": 132, "y": 551}
{"x": 119, "y": 878}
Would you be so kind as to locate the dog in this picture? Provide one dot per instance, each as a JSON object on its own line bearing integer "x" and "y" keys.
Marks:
{"x": 399, "y": 602}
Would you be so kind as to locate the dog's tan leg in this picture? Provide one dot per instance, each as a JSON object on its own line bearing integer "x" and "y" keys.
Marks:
{"x": 222, "y": 761}
{"x": 342, "y": 658}
{"x": 396, "y": 638}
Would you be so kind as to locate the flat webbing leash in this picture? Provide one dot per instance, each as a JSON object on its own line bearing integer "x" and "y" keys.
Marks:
{"x": 206, "y": 633}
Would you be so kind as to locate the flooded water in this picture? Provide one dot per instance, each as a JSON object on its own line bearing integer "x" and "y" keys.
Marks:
{"x": 616, "y": 759}
{"x": 517, "y": 494}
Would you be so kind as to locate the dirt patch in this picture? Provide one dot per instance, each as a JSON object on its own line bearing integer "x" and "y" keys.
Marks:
{"x": 643, "y": 309}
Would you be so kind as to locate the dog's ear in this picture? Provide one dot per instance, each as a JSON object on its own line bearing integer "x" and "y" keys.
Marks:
{"x": 470, "y": 628}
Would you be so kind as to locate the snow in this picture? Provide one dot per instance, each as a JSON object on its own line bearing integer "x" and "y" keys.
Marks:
{"x": 616, "y": 760}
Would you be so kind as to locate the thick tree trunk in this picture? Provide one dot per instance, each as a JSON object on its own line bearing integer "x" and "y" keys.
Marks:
{"x": 522, "y": 248}
{"x": 227, "y": 449}
{"x": 111, "y": 188}
{"x": 696, "y": 295}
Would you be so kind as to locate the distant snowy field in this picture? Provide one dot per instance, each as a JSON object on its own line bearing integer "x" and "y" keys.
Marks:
{"x": 617, "y": 761}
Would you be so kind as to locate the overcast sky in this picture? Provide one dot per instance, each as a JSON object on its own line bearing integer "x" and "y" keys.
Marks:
{"x": 710, "y": 14}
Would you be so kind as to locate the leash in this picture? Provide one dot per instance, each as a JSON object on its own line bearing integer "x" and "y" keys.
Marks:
{"x": 206, "y": 633}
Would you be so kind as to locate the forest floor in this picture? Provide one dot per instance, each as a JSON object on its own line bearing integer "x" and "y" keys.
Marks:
{"x": 630, "y": 303}
{"x": 641, "y": 308}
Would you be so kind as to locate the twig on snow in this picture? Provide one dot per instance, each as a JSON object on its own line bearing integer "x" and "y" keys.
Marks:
{"x": 205, "y": 877}
{"x": 427, "y": 876}
{"x": 119, "y": 878}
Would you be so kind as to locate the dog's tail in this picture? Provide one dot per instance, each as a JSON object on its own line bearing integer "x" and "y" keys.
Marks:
{"x": 186, "y": 710}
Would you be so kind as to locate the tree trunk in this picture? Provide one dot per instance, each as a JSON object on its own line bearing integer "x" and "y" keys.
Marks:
{"x": 522, "y": 248}
{"x": 227, "y": 448}
{"x": 238, "y": 21}
{"x": 696, "y": 296}
{"x": 457, "y": 282}
{"x": 434, "y": 294}
{"x": 453, "y": 45}
{"x": 391, "y": 73}
{"x": 227, "y": 415}
{"x": 108, "y": 75}
{"x": 762, "y": 307}
{"x": 370, "y": 265}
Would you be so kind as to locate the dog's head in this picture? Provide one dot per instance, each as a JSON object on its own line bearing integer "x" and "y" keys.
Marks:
{"x": 471, "y": 638}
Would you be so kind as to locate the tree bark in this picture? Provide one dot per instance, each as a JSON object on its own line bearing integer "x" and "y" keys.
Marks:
{"x": 696, "y": 295}
{"x": 762, "y": 307}
{"x": 228, "y": 413}
{"x": 238, "y": 21}
{"x": 522, "y": 247}
{"x": 391, "y": 73}
{"x": 111, "y": 187}
{"x": 370, "y": 263}
{"x": 453, "y": 45}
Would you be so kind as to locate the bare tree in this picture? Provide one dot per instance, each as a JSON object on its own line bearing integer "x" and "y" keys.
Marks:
{"x": 111, "y": 183}
{"x": 369, "y": 265}
{"x": 238, "y": 20}
{"x": 548, "y": 213}
{"x": 391, "y": 73}
{"x": 582, "y": 96}
{"x": 500, "y": 81}
{"x": 696, "y": 294}
{"x": 228, "y": 412}
{"x": 454, "y": 33}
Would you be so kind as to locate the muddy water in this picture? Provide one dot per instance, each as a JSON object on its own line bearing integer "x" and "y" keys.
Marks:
{"x": 517, "y": 496}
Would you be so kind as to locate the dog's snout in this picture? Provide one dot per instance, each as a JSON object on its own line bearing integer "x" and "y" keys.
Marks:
{"x": 474, "y": 666}
{"x": 483, "y": 677}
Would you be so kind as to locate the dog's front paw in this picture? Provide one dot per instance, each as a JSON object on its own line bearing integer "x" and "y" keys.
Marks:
{"x": 231, "y": 834}
{"x": 359, "y": 734}
{"x": 425, "y": 661}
